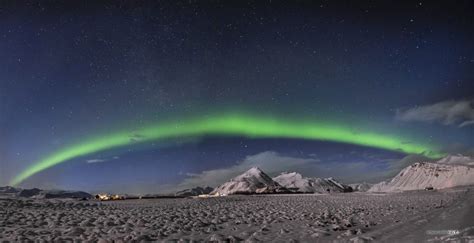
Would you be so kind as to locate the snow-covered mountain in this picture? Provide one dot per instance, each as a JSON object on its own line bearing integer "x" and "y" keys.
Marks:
{"x": 457, "y": 160}
{"x": 38, "y": 193}
{"x": 8, "y": 189}
{"x": 194, "y": 191}
{"x": 423, "y": 175}
{"x": 252, "y": 181}
{"x": 296, "y": 182}
{"x": 361, "y": 187}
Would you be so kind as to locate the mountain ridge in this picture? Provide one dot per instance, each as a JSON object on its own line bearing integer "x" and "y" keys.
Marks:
{"x": 252, "y": 181}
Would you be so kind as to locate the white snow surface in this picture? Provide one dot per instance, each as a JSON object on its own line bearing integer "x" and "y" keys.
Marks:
{"x": 252, "y": 181}
{"x": 296, "y": 182}
{"x": 361, "y": 187}
{"x": 423, "y": 175}
{"x": 457, "y": 160}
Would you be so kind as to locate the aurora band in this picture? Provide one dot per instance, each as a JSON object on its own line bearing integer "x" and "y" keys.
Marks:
{"x": 239, "y": 124}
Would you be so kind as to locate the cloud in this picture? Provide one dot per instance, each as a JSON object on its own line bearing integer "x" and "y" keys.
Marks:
{"x": 136, "y": 137}
{"x": 466, "y": 123}
{"x": 460, "y": 113}
{"x": 91, "y": 161}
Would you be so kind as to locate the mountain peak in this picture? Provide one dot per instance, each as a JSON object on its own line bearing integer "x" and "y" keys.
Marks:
{"x": 254, "y": 170}
{"x": 251, "y": 181}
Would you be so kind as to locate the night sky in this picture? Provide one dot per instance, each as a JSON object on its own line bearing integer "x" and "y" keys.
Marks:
{"x": 156, "y": 96}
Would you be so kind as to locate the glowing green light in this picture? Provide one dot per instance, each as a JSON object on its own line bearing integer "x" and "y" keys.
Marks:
{"x": 237, "y": 124}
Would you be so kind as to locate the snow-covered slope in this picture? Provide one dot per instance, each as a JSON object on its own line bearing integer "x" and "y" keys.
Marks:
{"x": 251, "y": 181}
{"x": 361, "y": 187}
{"x": 333, "y": 182}
{"x": 457, "y": 160}
{"x": 379, "y": 187}
{"x": 424, "y": 175}
{"x": 194, "y": 191}
{"x": 296, "y": 182}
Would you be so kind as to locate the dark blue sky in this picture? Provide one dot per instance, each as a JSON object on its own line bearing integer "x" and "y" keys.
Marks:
{"x": 71, "y": 70}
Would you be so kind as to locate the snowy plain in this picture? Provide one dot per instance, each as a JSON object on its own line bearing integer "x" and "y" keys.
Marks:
{"x": 345, "y": 217}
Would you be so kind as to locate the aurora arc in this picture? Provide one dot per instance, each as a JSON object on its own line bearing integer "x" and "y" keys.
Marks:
{"x": 245, "y": 125}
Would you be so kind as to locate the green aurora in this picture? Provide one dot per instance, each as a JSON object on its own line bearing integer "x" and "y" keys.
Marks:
{"x": 236, "y": 124}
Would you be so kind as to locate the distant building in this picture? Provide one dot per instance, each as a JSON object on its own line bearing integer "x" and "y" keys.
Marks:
{"x": 107, "y": 197}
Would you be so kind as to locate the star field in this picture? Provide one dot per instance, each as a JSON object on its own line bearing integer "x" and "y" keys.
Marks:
{"x": 74, "y": 71}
